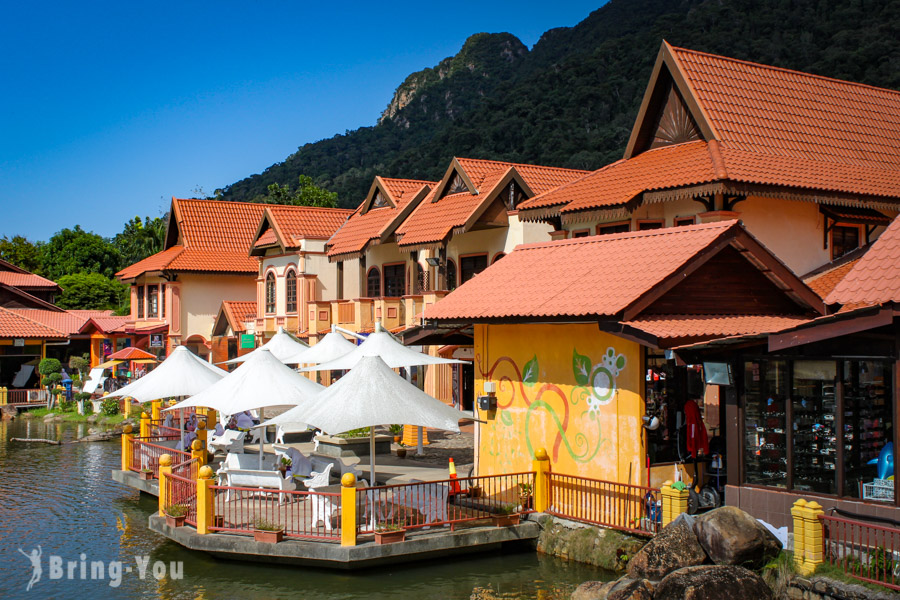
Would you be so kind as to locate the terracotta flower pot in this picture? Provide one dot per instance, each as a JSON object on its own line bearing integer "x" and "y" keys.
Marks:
{"x": 389, "y": 537}
{"x": 145, "y": 475}
{"x": 401, "y": 452}
{"x": 506, "y": 520}
{"x": 269, "y": 537}
{"x": 175, "y": 521}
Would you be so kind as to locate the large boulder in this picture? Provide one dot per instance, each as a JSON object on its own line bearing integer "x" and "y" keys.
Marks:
{"x": 673, "y": 548}
{"x": 732, "y": 537}
{"x": 631, "y": 589}
{"x": 592, "y": 590}
{"x": 713, "y": 582}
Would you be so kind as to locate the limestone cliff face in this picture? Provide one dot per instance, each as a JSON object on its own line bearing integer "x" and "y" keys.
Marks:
{"x": 484, "y": 60}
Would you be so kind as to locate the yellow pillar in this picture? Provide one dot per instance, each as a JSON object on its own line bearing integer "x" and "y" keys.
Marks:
{"x": 411, "y": 436}
{"x": 799, "y": 532}
{"x": 3, "y": 395}
{"x": 165, "y": 469}
{"x": 202, "y": 433}
{"x": 674, "y": 502}
{"x": 211, "y": 417}
{"x": 348, "y": 510}
{"x": 205, "y": 497}
{"x": 127, "y": 447}
{"x": 198, "y": 451}
{"x": 813, "y": 535}
{"x": 145, "y": 423}
{"x": 541, "y": 467}
{"x": 155, "y": 407}
{"x": 126, "y": 405}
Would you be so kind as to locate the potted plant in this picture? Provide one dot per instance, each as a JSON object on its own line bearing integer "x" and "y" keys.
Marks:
{"x": 388, "y": 533}
{"x": 505, "y": 515}
{"x": 525, "y": 497}
{"x": 396, "y": 431}
{"x": 401, "y": 452}
{"x": 175, "y": 515}
{"x": 145, "y": 474}
{"x": 284, "y": 464}
{"x": 474, "y": 491}
{"x": 267, "y": 531}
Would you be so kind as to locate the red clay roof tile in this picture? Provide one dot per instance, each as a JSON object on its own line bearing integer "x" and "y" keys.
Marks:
{"x": 67, "y": 322}
{"x": 875, "y": 278}
{"x": 296, "y": 223}
{"x": 13, "y": 325}
{"x": 239, "y": 312}
{"x": 604, "y": 275}
{"x": 687, "y": 326}
{"x": 26, "y": 280}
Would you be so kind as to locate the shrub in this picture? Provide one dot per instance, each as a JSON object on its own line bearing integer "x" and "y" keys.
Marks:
{"x": 264, "y": 525}
{"x": 55, "y": 378}
{"x": 48, "y": 366}
{"x": 68, "y": 406}
{"x": 79, "y": 396}
{"x": 110, "y": 406}
{"x": 46, "y": 381}
{"x": 177, "y": 510}
{"x": 505, "y": 509}
{"x": 78, "y": 363}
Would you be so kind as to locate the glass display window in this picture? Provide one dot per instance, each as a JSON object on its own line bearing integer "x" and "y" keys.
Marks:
{"x": 764, "y": 396}
{"x": 815, "y": 435}
{"x": 868, "y": 429}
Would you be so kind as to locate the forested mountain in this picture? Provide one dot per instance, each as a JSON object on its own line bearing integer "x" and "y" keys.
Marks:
{"x": 572, "y": 99}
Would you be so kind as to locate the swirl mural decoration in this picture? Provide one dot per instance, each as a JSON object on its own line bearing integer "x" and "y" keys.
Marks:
{"x": 595, "y": 386}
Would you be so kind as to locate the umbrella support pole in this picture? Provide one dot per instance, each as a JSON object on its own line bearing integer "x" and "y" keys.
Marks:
{"x": 262, "y": 436}
{"x": 419, "y": 446}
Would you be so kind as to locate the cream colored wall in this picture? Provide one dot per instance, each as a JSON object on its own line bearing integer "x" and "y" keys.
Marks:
{"x": 279, "y": 265}
{"x": 202, "y": 296}
{"x": 351, "y": 279}
{"x": 327, "y": 274}
{"x": 490, "y": 241}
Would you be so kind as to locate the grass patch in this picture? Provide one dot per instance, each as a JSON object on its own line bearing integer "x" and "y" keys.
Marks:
{"x": 74, "y": 417}
{"x": 836, "y": 572}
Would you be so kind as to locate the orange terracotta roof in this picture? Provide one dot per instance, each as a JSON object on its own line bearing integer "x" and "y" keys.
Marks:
{"x": 239, "y": 312}
{"x": 66, "y": 322}
{"x": 434, "y": 220}
{"x": 823, "y": 282}
{"x": 13, "y": 325}
{"x": 617, "y": 183}
{"x": 266, "y": 239}
{"x": 875, "y": 278}
{"x": 131, "y": 353}
{"x": 88, "y": 313}
{"x": 690, "y": 326}
{"x": 111, "y": 323}
{"x": 376, "y": 223}
{"x": 295, "y": 223}
{"x": 26, "y": 280}
{"x": 154, "y": 262}
{"x": 764, "y": 109}
{"x": 603, "y": 274}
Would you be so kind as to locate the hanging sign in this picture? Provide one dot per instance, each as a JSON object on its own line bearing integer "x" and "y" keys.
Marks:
{"x": 248, "y": 340}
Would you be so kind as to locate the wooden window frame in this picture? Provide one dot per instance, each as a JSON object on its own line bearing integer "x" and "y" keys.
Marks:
{"x": 860, "y": 233}
{"x": 681, "y": 221}
{"x": 660, "y": 222}
{"x": 368, "y": 275}
{"x": 461, "y": 257}
{"x": 139, "y": 296}
{"x": 287, "y": 291}
{"x": 152, "y": 294}
{"x": 270, "y": 307}
{"x": 162, "y": 301}
{"x": 497, "y": 257}
{"x": 580, "y": 233}
{"x": 384, "y": 278}
{"x": 599, "y": 229}
{"x": 455, "y": 283}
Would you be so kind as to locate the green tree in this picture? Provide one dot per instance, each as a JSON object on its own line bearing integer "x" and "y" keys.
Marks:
{"x": 306, "y": 194}
{"x": 140, "y": 239}
{"x": 75, "y": 250}
{"x": 92, "y": 291}
{"x": 21, "y": 252}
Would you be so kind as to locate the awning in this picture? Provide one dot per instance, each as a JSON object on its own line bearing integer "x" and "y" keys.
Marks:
{"x": 145, "y": 361}
{"x": 855, "y": 216}
{"x": 109, "y": 364}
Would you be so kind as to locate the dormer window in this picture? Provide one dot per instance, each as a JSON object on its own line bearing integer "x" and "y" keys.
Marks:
{"x": 457, "y": 185}
{"x": 379, "y": 201}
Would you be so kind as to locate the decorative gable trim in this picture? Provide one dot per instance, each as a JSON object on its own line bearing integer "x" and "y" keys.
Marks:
{"x": 455, "y": 168}
{"x": 511, "y": 176}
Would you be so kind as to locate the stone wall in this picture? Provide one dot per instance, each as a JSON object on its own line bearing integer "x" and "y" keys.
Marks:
{"x": 604, "y": 548}
{"x": 821, "y": 588}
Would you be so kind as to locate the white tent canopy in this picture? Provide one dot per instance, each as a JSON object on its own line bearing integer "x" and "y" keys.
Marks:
{"x": 183, "y": 373}
{"x": 260, "y": 382}
{"x": 382, "y": 344}
{"x": 371, "y": 394}
{"x": 282, "y": 345}
{"x": 332, "y": 346}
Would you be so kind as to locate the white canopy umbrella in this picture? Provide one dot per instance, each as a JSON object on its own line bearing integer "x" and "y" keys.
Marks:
{"x": 262, "y": 381}
{"x": 332, "y": 346}
{"x": 282, "y": 345}
{"x": 384, "y": 345}
{"x": 183, "y": 373}
{"x": 371, "y": 394}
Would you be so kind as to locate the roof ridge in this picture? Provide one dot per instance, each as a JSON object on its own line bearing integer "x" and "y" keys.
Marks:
{"x": 573, "y": 182}
{"x": 611, "y": 237}
{"x": 423, "y": 181}
{"x": 515, "y": 164}
{"x": 785, "y": 70}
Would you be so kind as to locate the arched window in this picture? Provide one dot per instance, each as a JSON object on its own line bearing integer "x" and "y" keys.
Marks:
{"x": 291, "y": 289}
{"x": 451, "y": 275}
{"x": 498, "y": 256}
{"x": 373, "y": 283}
{"x": 394, "y": 280}
{"x": 270, "y": 293}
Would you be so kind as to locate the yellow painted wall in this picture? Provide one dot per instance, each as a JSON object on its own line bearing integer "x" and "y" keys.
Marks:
{"x": 589, "y": 422}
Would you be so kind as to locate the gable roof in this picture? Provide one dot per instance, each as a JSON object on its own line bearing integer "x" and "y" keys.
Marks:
{"x": 205, "y": 235}
{"x": 13, "y": 325}
{"x": 874, "y": 278}
{"x": 438, "y": 216}
{"x": 287, "y": 226}
{"x": 797, "y": 134}
{"x": 234, "y": 313}
{"x": 25, "y": 299}
{"x": 369, "y": 224}
{"x": 609, "y": 276}
{"x": 27, "y": 281}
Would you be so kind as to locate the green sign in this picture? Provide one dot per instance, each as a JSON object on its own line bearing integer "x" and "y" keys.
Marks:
{"x": 248, "y": 341}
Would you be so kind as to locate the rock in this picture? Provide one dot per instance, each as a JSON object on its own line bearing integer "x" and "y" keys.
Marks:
{"x": 631, "y": 589}
{"x": 93, "y": 418}
{"x": 674, "y": 547}
{"x": 605, "y": 548}
{"x": 8, "y": 413}
{"x": 713, "y": 582}
{"x": 732, "y": 537}
{"x": 592, "y": 590}
{"x": 49, "y": 417}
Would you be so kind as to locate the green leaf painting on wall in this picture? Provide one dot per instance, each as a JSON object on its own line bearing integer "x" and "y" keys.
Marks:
{"x": 531, "y": 372}
{"x": 581, "y": 366}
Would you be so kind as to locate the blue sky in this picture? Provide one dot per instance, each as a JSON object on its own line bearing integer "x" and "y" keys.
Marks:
{"x": 109, "y": 109}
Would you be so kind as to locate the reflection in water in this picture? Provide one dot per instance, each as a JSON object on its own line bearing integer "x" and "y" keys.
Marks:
{"x": 63, "y": 499}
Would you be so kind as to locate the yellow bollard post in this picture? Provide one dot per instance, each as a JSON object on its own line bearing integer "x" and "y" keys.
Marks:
{"x": 205, "y": 507}
{"x": 198, "y": 452}
{"x": 541, "y": 467}
{"x": 126, "y": 406}
{"x": 799, "y": 532}
{"x": 165, "y": 469}
{"x": 155, "y": 407}
{"x": 348, "y": 510}
{"x": 813, "y": 534}
{"x": 211, "y": 417}
{"x": 127, "y": 446}
{"x": 3, "y": 392}
{"x": 202, "y": 433}
{"x": 145, "y": 425}
{"x": 674, "y": 502}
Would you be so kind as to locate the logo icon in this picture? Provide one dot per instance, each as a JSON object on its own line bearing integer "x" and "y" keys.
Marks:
{"x": 35, "y": 558}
